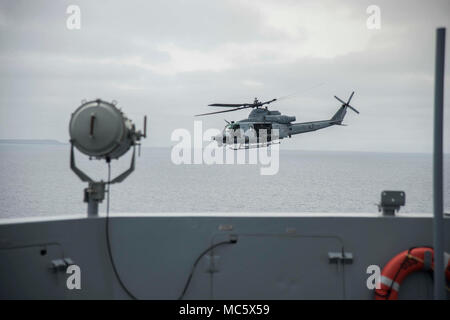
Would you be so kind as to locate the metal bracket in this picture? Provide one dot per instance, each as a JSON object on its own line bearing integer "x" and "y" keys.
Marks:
{"x": 95, "y": 192}
{"x": 225, "y": 227}
{"x": 60, "y": 265}
{"x": 391, "y": 201}
{"x": 127, "y": 172}
{"x": 340, "y": 257}
{"x": 84, "y": 177}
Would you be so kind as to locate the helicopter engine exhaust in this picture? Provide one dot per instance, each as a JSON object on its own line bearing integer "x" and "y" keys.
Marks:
{"x": 280, "y": 118}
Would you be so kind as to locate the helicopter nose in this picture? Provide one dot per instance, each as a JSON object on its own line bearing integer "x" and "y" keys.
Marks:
{"x": 218, "y": 139}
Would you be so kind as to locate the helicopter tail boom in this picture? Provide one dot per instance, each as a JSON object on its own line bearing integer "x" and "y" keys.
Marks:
{"x": 338, "y": 117}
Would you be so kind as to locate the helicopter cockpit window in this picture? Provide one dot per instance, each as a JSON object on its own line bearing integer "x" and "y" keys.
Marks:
{"x": 233, "y": 126}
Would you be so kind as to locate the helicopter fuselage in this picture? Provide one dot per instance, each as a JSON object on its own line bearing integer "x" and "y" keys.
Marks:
{"x": 264, "y": 126}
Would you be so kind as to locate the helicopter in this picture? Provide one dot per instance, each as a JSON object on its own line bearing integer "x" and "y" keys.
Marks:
{"x": 258, "y": 130}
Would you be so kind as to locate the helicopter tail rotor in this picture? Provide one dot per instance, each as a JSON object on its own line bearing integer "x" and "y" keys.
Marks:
{"x": 340, "y": 114}
{"x": 347, "y": 104}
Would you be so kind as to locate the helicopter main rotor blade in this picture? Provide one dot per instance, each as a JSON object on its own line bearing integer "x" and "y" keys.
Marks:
{"x": 205, "y": 114}
{"x": 231, "y": 105}
{"x": 238, "y": 105}
{"x": 267, "y": 102}
{"x": 235, "y": 106}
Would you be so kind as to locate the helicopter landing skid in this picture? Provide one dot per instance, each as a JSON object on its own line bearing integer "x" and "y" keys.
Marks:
{"x": 252, "y": 146}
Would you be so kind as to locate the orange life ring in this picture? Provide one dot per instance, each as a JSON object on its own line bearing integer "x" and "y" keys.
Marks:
{"x": 399, "y": 267}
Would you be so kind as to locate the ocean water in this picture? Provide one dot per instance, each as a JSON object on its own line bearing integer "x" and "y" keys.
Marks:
{"x": 35, "y": 180}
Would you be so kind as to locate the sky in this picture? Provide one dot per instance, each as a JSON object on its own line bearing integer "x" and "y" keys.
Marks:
{"x": 170, "y": 59}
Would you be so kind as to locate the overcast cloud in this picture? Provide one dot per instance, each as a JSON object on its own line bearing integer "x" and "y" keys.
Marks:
{"x": 170, "y": 59}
